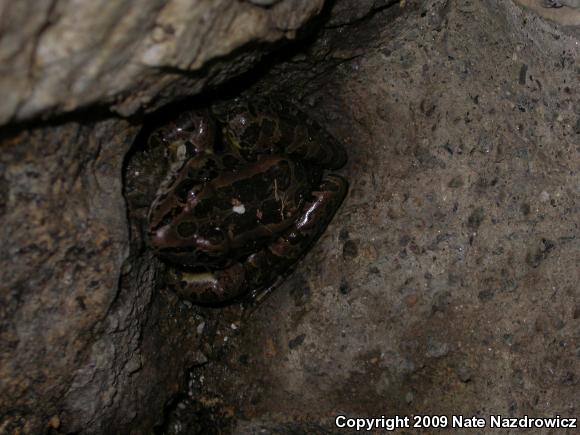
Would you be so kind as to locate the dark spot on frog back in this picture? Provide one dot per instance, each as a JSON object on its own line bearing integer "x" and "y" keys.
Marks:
{"x": 251, "y": 108}
{"x": 209, "y": 171}
{"x": 287, "y": 133}
{"x": 230, "y": 162}
{"x": 190, "y": 149}
{"x": 186, "y": 229}
{"x": 183, "y": 189}
{"x": 250, "y": 136}
{"x": 281, "y": 174}
{"x": 243, "y": 191}
{"x": 204, "y": 207}
{"x": 262, "y": 186}
{"x": 270, "y": 211}
{"x": 268, "y": 127}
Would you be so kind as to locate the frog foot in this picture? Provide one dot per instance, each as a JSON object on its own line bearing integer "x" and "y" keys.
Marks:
{"x": 552, "y": 4}
{"x": 209, "y": 288}
{"x": 261, "y": 269}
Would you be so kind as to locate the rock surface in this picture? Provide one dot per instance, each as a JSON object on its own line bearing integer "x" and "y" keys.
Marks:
{"x": 565, "y": 15}
{"x": 447, "y": 283}
{"x": 88, "y": 344}
{"x": 58, "y": 56}
{"x": 64, "y": 239}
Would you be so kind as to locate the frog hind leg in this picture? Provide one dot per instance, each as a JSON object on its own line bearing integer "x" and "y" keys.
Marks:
{"x": 274, "y": 262}
{"x": 209, "y": 288}
{"x": 313, "y": 143}
{"x": 301, "y": 136}
{"x": 270, "y": 264}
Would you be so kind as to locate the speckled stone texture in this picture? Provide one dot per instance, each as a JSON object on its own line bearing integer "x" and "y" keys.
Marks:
{"x": 89, "y": 342}
{"x": 448, "y": 282}
{"x": 84, "y": 349}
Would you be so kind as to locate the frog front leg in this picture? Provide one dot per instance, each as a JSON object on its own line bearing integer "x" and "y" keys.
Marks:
{"x": 262, "y": 268}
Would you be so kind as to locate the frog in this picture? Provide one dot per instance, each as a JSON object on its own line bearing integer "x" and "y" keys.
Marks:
{"x": 247, "y": 194}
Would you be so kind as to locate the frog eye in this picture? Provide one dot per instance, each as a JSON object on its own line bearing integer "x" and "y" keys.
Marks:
{"x": 190, "y": 149}
{"x": 167, "y": 219}
{"x": 183, "y": 189}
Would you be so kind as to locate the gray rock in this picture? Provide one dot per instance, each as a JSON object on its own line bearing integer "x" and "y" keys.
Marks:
{"x": 60, "y": 56}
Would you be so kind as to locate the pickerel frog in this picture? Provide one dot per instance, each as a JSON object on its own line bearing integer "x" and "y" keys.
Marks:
{"x": 245, "y": 197}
